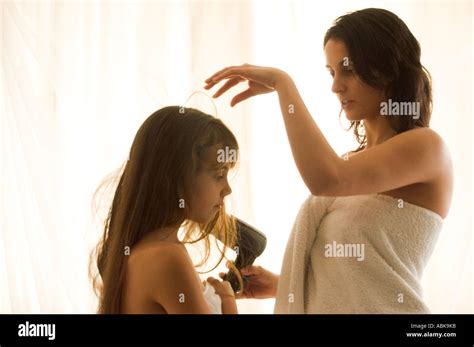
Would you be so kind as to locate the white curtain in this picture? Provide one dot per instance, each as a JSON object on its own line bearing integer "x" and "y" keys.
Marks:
{"x": 79, "y": 78}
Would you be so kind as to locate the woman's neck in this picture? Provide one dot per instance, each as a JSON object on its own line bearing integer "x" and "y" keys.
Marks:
{"x": 377, "y": 131}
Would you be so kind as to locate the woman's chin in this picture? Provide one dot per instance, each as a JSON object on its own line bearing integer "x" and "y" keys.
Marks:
{"x": 353, "y": 118}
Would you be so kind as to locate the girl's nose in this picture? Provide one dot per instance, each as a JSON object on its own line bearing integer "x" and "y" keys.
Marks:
{"x": 227, "y": 190}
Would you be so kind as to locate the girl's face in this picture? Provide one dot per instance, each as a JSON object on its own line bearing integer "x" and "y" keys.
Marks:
{"x": 208, "y": 188}
{"x": 363, "y": 101}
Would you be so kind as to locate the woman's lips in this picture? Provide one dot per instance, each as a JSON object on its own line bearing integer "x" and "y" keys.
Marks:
{"x": 346, "y": 104}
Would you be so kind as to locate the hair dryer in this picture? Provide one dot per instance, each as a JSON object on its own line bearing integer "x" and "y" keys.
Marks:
{"x": 250, "y": 244}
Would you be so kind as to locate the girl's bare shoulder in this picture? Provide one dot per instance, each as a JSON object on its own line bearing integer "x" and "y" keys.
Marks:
{"x": 157, "y": 253}
{"x": 163, "y": 272}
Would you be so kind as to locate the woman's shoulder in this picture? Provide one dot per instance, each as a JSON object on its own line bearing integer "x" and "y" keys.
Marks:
{"x": 427, "y": 139}
{"x": 422, "y": 134}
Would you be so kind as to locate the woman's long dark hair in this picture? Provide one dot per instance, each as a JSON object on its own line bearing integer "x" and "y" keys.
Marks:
{"x": 386, "y": 56}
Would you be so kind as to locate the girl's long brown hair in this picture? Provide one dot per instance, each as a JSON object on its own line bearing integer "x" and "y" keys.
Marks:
{"x": 167, "y": 151}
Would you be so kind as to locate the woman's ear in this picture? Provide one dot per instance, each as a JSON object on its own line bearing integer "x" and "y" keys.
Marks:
{"x": 182, "y": 198}
{"x": 384, "y": 81}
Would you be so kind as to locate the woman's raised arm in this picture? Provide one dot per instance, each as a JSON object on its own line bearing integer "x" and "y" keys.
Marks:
{"x": 413, "y": 157}
{"x": 315, "y": 159}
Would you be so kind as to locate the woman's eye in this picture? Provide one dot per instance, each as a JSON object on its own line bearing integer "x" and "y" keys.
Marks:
{"x": 348, "y": 71}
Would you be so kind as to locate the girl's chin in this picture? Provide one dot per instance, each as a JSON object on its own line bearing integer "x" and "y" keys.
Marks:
{"x": 207, "y": 219}
{"x": 202, "y": 219}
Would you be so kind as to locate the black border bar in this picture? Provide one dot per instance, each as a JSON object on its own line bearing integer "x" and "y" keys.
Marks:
{"x": 244, "y": 328}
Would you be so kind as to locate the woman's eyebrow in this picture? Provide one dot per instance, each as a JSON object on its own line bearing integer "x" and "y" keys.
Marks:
{"x": 344, "y": 63}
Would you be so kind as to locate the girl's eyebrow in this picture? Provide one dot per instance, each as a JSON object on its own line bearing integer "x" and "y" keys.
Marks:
{"x": 219, "y": 166}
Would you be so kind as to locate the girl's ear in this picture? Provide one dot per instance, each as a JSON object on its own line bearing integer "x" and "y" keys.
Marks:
{"x": 183, "y": 195}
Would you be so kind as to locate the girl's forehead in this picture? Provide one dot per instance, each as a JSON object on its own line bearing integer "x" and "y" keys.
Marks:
{"x": 211, "y": 153}
{"x": 219, "y": 156}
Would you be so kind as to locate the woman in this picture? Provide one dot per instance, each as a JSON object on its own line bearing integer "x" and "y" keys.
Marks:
{"x": 402, "y": 169}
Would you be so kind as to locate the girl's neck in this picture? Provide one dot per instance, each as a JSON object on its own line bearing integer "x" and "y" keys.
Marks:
{"x": 168, "y": 234}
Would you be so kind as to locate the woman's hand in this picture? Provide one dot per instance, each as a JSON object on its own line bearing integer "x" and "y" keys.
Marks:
{"x": 261, "y": 80}
{"x": 261, "y": 283}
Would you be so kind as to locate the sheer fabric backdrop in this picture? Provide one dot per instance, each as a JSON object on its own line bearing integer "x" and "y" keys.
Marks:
{"x": 79, "y": 78}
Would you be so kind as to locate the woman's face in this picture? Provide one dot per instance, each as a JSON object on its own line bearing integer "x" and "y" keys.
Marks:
{"x": 209, "y": 187}
{"x": 363, "y": 101}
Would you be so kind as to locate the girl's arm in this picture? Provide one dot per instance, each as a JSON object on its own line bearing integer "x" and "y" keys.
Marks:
{"x": 226, "y": 293}
{"x": 174, "y": 283}
{"x": 229, "y": 306}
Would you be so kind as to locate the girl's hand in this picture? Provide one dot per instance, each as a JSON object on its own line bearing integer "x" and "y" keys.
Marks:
{"x": 261, "y": 284}
{"x": 225, "y": 291}
{"x": 222, "y": 288}
{"x": 260, "y": 80}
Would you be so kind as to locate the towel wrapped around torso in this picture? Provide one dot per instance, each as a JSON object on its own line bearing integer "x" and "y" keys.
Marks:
{"x": 357, "y": 254}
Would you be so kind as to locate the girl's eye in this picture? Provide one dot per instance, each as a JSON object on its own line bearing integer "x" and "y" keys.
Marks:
{"x": 220, "y": 177}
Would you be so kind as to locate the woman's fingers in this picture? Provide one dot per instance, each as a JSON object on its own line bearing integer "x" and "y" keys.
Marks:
{"x": 241, "y": 97}
{"x": 250, "y": 270}
{"x": 227, "y": 70}
{"x": 229, "y": 84}
{"x": 214, "y": 79}
{"x": 217, "y": 73}
{"x": 229, "y": 73}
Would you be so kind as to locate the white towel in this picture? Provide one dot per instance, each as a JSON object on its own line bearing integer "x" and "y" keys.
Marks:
{"x": 213, "y": 300}
{"x": 394, "y": 238}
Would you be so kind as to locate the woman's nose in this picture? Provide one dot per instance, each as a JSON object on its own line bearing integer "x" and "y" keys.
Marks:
{"x": 338, "y": 85}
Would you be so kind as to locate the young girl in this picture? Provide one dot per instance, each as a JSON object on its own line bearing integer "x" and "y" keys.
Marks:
{"x": 175, "y": 177}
